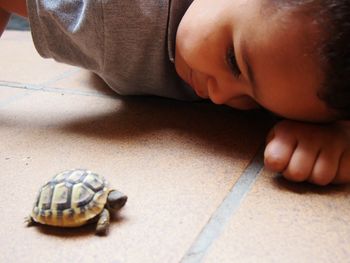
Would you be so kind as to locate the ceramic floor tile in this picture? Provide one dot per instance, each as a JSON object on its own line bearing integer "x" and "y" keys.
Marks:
{"x": 14, "y": 35}
{"x": 24, "y": 65}
{"x": 8, "y": 95}
{"x": 176, "y": 162}
{"x": 82, "y": 81}
{"x": 281, "y": 221}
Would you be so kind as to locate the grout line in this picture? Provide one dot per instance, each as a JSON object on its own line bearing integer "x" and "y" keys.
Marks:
{"x": 216, "y": 224}
{"x": 54, "y": 90}
{"x": 64, "y": 75}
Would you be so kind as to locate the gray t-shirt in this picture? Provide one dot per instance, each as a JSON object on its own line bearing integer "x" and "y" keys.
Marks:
{"x": 128, "y": 43}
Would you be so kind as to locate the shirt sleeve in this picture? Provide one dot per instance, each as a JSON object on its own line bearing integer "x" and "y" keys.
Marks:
{"x": 123, "y": 41}
{"x": 68, "y": 31}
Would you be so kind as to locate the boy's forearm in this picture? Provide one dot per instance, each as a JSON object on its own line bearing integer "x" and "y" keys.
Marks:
{"x": 18, "y": 7}
{"x": 4, "y": 17}
{"x": 7, "y": 7}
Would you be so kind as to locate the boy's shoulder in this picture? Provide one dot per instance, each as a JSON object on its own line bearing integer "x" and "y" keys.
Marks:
{"x": 129, "y": 44}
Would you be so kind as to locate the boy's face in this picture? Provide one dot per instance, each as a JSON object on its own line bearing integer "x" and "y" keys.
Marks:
{"x": 236, "y": 53}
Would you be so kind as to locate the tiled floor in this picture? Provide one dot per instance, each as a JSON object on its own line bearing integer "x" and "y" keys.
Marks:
{"x": 192, "y": 172}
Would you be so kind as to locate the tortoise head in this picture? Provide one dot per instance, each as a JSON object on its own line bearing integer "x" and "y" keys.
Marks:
{"x": 116, "y": 200}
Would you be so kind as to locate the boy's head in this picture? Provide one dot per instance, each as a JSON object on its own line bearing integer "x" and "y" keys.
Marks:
{"x": 290, "y": 57}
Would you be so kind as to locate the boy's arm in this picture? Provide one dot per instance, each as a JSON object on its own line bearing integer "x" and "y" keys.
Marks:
{"x": 11, "y": 6}
{"x": 18, "y": 7}
{"x": 319, "y": 154}
{"x": 4, "y": 17}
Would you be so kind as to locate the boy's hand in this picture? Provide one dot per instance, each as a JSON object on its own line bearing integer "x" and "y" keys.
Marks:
{"x": 319, "y": 154}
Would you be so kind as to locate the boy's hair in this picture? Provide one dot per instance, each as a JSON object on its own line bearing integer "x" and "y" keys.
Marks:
{"x": 333, "y": 18}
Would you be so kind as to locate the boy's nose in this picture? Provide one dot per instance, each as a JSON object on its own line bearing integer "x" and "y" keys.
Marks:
{"x": 221, "y": 92}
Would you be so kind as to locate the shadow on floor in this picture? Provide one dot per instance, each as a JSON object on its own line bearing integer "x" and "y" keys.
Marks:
{"x": 308, "y": 188}
{"x": 116, "y": 220}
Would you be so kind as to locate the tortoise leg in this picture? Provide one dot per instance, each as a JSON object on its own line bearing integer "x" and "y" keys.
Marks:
{"x": 103, "y": 223}
{"x": 29, "y": 221}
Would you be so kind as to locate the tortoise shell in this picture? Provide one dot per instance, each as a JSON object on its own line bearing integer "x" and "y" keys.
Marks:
{"x": 71, "y": 198}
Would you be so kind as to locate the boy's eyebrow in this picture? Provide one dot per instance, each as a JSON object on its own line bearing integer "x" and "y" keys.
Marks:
{"x": 247, "y": 62}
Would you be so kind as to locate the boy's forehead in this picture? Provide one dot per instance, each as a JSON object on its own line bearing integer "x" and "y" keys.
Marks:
{"x": 287, "y": 66}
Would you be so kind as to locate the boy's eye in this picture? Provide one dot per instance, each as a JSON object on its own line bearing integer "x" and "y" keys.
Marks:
{"x": 231, "y": 61}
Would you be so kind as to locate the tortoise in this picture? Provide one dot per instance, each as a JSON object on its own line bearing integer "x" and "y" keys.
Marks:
{"x": 75, "y": 197}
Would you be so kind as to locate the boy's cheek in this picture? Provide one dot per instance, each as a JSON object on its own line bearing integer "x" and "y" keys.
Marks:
{"x": 180, "y": 66}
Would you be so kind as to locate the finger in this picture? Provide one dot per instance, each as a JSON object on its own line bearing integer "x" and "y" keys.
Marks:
{"x": 325, "y": 168}
{"x": 343, "y": 174}
{"x": 270, "y": 136}
{"x": 301, "y": 163}
{"x": 278, "y": 152}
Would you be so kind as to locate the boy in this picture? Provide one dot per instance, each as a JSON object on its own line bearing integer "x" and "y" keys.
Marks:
{"x": 280, "y": 55}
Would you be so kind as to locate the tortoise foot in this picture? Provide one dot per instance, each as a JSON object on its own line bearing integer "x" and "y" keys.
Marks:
{"x": 28, "y": 221}
{"x": 103, "y": 223}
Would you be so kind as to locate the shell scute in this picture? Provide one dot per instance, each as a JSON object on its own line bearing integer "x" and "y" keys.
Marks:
{"x": 60, "y": 177}
{"x": 81, "y": 195}
{"x": 60, "y": 198}
{"x": 44, "y": 200}
{"x": 76, "y": 176}
{"x": 94, "y": 182}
